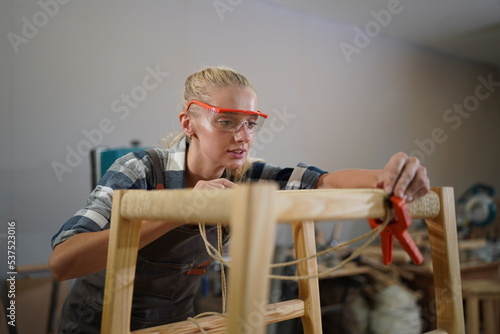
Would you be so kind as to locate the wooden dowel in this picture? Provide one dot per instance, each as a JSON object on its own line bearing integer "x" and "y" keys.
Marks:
{"x": 120, "y": 270}
{"x": 346, "y": 204}
{"x": 276, "y": 312}
{"x": 446, "y": 266}
{"x": 253, "y": 231}
{"x": 179, "y": 205}
{"x": 210, "y": 206}
{"x": 305, "y": 246}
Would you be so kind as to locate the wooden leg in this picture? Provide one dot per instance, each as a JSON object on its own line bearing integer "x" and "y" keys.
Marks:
{"x": 253, "y": 226}
{"x": 120, "y": 272}
{"x": 489, "y": 316}
{"x": 305, "y": 245}
{"x": 446, "y": 266}
{"x": 497, "y": 311}
{"x": 472, "y": 304}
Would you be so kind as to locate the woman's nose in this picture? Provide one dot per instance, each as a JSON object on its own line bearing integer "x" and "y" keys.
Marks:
{"x": 243, "y": 133}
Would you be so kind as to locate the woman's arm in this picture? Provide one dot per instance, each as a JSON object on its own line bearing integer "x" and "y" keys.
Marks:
{"x": 349, "y": 178}
{"x": 402, "y": 176}
{"x": 87, "y": 253}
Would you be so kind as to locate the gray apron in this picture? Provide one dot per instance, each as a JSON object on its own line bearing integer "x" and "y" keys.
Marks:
{"x": 166, "y": 281}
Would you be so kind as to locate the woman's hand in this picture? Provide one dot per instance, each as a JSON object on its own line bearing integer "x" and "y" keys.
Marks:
{"x": 215, "y": 184}
{"x": 404, "y": 177}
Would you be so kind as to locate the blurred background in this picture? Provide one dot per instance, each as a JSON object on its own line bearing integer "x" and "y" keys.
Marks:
{"x": 346, "y": 83}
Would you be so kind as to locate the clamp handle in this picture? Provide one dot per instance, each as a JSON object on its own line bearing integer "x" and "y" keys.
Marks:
{"x": 398, "y": 227}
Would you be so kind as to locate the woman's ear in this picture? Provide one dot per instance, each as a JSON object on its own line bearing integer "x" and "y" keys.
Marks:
{"x": 186, "y": 123}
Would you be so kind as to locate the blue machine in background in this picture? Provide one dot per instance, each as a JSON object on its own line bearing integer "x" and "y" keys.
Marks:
{"x": 101, "y": 158}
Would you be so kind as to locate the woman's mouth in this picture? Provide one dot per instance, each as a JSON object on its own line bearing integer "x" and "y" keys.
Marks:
{"x": 237, "y": 153}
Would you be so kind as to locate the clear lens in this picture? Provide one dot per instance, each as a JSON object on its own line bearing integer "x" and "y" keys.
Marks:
{"x": 232, "y": 121}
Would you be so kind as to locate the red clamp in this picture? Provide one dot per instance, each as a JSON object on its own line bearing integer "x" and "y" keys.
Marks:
{"x": 398, "y": 227}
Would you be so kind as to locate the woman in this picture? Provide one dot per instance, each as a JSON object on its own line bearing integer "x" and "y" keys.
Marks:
{"x": 219, "y": 123}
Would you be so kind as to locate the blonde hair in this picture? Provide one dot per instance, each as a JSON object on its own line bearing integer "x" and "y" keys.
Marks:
{"x": 199, "y": 85}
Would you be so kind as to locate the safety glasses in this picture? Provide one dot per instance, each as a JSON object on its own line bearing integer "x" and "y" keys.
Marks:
{"x": 231, "y": 120}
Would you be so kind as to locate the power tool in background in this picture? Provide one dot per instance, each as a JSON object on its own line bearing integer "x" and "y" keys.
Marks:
{"x": 476, "y": 207}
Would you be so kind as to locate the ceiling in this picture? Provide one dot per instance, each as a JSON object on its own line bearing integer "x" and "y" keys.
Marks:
{"x": 468, "y": 29}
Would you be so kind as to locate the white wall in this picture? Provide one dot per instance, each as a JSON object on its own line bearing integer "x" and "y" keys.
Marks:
{"x": 6, "y": 61}
{"x": 64, "y": 81}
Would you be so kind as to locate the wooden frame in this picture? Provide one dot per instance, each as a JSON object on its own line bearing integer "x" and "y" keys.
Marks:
{"x": 254, "y": 210}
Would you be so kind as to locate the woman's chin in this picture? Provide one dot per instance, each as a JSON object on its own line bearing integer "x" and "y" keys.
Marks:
{"x": 236, "y": 164}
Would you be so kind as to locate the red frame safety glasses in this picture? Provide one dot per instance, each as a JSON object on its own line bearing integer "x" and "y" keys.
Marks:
{"x": 231, "y": 120}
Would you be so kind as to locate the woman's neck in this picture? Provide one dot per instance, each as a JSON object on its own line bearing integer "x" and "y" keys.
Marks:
{"x": 199, "y": 170}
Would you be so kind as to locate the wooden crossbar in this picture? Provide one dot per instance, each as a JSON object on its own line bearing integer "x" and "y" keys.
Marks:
{"x": 276, "y": 312}
{"x": 211, "y": 206}
{"x": 252, "y": 211}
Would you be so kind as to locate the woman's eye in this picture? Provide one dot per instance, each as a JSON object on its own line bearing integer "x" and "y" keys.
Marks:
{"x": 225, "y": 122}
{"x": 252, "y": 125}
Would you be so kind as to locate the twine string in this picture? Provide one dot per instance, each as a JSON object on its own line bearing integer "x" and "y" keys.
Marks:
{"x": 216, "y": 254}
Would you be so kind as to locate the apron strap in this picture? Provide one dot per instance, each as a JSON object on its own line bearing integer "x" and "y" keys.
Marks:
{"x": 160, "y": 183}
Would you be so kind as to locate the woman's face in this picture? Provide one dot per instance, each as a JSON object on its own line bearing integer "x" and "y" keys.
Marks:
{"x": 218, "y": 148}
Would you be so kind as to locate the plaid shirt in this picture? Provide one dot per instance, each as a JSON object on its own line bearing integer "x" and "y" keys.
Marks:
{"x": 135, "y": 171}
